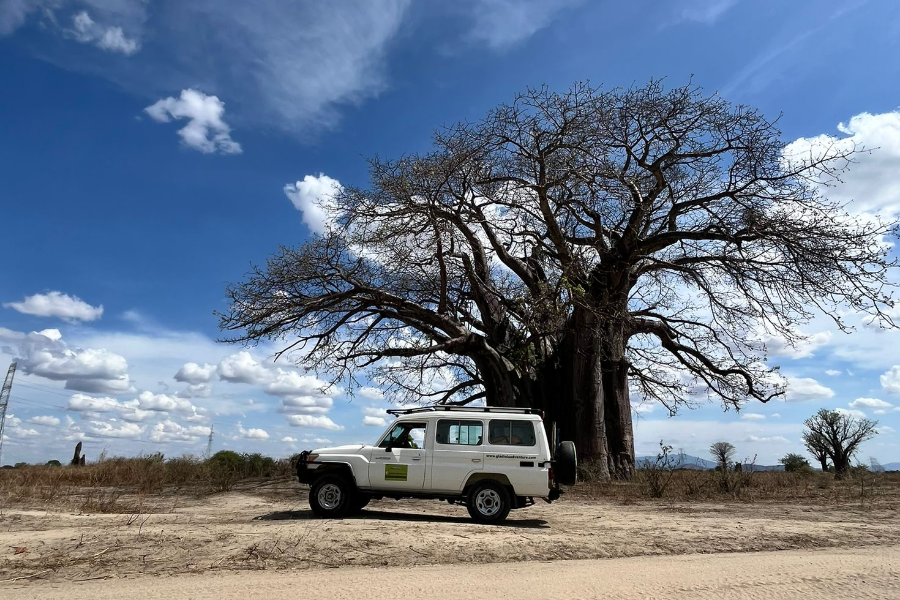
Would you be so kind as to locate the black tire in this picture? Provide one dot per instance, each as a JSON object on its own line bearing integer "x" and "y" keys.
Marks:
{"x": 360, "y": 502}
{"x": 488, "y": 502}
{"x": 331, "y": 496}
{"x": 566, "y": 468}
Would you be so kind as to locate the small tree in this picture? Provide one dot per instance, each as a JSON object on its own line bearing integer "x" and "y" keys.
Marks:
{"x": 837, "y": 435}
{"x": 723, "y": 452}
{"x": 794, "y": 463}
{"x": 817, "y": 446}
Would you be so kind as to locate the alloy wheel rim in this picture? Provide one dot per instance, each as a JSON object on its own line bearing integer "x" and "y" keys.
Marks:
{"x": 488, "y": 502}
{"x": 329, "y": 496}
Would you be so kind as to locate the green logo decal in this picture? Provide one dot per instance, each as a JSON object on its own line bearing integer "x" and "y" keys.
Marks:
{"x": 395, "y": 472}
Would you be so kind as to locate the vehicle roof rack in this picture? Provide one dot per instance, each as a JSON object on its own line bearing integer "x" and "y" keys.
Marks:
{"x": 488, "y": 409}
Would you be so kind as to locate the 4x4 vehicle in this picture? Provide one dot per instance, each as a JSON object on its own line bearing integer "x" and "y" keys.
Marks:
{"x": 490, "y": 459}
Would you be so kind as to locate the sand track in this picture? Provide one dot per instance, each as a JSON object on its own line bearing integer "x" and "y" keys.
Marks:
{"x": 270, "y": 528}
{"x": 821, "y": 574}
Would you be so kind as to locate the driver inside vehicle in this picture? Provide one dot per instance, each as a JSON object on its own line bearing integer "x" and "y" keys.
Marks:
{"x": 405, "y": 435}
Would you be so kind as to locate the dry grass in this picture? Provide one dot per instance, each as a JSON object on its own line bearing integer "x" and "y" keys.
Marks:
{"x": 120, "y": 485}
{"x": 761, "y": 486}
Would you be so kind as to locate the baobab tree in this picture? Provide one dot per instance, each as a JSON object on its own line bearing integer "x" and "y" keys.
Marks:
{"x": 569, "y": 251}
{"x": 839, "y": 434}
{"x": 723, "y": 452}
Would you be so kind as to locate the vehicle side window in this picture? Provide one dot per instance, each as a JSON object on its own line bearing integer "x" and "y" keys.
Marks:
{"x": 462, "y": 433}
{"x": 511, "y": 433}
{"x": 405, "y": 435}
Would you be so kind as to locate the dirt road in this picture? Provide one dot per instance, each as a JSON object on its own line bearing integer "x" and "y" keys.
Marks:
{"x": 821, "y": 574}
{"x": 273, "y": 530}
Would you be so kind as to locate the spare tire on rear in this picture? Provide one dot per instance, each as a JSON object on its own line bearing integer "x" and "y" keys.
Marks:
{"x": 566, "y": 468}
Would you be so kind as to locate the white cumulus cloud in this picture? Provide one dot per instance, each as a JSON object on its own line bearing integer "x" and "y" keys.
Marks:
{"x": 753, "y": 417}
{"x": 253, "y": 433}
{"x": 114, "y": 429}
{"x": 856, "y": 414}
{"x": 313, "y": 197}
{"x": 170, "y": 431}
{"x": 299, "y": 394}
{"x": 91, "y": 370}
{"x": 870, "y": 403}
{"x": 205, "y": 131}
{"x": 166, "y": 403}
{"x": 195, "y": 374}
{"x": 44, "y": 420}
{"x": 371, "y": 393}
{"x": 890, "y": 381}
{"x": 869, "y": 186}
{"x": 374, "y": 421}
{"x": 57, "y": 304}
{"x": 313, "y": 421}
{"x": 805, "y": 389}
{"x": 243, "y": 368}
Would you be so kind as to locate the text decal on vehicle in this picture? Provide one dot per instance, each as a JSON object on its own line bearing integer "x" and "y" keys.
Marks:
{"x": 395, "y": 472}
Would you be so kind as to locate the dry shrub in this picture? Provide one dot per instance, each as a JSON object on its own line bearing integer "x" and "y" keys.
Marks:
{"x": 686, "y": 485}
{"x": 98, "y": 487}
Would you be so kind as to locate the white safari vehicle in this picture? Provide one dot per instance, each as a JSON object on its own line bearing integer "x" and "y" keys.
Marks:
{"x": 490, "y": 459}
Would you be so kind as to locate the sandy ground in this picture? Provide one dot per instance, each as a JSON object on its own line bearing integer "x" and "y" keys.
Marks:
{"x": 821, "y": 574}
{"x": 271, "y": 528}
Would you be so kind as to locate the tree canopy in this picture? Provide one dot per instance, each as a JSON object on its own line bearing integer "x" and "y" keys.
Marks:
{"x": 837, "y": 435}
{"x": 570, "y": 250}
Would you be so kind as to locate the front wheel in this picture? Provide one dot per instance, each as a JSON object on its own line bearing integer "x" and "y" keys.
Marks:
{"x": 360, "y": 502}
{"x": 488, "y": 502}
{"x": 330, "y": 496}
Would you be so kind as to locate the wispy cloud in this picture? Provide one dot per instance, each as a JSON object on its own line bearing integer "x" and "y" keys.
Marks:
{"x": 501, "y": 24}
{"x": 701, "y": 11}
{"x": 784, "y": 50}
{"x": 290, "y": 65}
{"x": 297, "y": 62}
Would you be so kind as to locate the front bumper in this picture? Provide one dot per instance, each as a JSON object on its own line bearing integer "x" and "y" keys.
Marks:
{"x": 306, "y": 470}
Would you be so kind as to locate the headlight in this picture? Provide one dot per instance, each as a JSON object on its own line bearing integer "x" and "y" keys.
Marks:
{"x": 311, "y": 457}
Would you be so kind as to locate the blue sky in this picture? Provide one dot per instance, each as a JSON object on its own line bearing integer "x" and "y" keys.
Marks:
{"x": 146, "y": 147}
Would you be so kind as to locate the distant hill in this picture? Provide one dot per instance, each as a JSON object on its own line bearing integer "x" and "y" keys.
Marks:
{"x": 892, "y": 466}
{"x": 695, "y": 462}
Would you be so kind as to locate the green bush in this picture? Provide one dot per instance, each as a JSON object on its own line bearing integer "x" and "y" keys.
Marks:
{"x": 795, "y": 463}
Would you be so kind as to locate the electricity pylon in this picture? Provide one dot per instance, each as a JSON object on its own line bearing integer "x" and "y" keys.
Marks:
{"x": 209, "y": 443}
{"x": 4, "y": 401}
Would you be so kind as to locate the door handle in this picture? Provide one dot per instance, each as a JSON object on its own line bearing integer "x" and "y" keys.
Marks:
{"x": 417, "y": 458}
{"x": 476, "y": 460}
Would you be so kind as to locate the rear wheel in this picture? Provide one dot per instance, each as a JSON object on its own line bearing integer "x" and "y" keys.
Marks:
{"x": 331, "y": 496}
{"x": 488, "y": 502}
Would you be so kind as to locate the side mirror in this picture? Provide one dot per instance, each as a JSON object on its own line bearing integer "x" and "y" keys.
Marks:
{"x": 388, "y": 449}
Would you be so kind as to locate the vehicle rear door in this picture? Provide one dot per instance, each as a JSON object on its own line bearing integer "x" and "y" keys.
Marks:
{"x": 458, "y": 451}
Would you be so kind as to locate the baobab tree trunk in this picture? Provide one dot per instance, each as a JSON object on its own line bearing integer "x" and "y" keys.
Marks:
{"x": 569, "y": 388}
{"x": 841, "y": 465}
{"x": 582, "y": 387}
{"x": 617, "y": 402}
